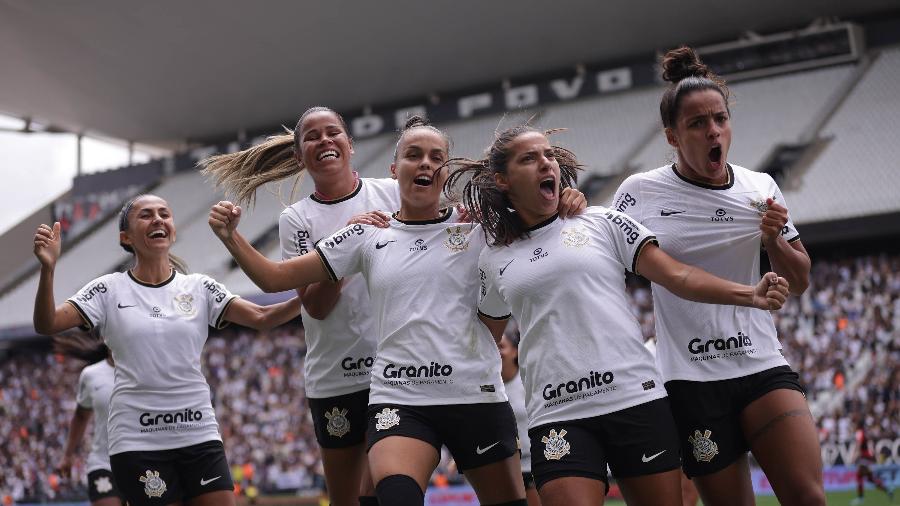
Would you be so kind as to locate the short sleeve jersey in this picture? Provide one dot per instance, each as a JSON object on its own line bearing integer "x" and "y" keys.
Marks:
{"x": 715, "y": 228}
{"x": 423, "y": 284}
{"x": 515, "y": 390}
{"x": 581, "y": 351}
{"x": 340, "y": 347}
{"x": 95, "y": 386}
{"x": 156, "y": 333}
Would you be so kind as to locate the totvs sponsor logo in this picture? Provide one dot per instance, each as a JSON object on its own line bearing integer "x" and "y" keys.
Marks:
{"x": 357, "y": 366}
{"x": 343, "y": 235}
{"x": 706, "y": 350}
{"x": 153, "y": 422}
{"x": 592, "y": 384}
{"x": 625, "y": 225}
{"x": 92, "y": 292}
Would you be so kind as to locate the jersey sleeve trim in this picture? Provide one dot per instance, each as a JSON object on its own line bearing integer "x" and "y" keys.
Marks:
{"x": 325, "y": 263}
{"x": 794, "y": 239}
{"x": 637, "y": 252}
{"x": 88, "y": 324}
{"x": 221, "y": 323}
{"x": 496, "y": 318}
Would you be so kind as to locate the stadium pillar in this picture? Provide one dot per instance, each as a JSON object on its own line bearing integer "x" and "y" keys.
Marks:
{"x": 78, "y": 154}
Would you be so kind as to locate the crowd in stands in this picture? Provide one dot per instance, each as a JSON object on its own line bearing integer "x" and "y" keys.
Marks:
{"x": 851, "y": 308}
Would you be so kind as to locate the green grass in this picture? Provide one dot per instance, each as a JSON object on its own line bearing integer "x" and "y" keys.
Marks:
{"x": 873, "y": 498}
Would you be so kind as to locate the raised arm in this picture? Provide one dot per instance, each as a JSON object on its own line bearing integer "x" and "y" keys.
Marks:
{"x": 48, "y": 318}
{"x": 268, "y": 275}
{"x": 693, "y": 283}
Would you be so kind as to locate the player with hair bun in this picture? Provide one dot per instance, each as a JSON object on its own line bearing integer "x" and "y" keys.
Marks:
{"x": 730, "y": 388}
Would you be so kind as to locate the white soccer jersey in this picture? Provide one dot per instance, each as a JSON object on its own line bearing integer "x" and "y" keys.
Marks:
{"x": 581, "y": 353}
{"x": 341, "y": 347}
{"x": 515, "y": 390}
{"x": 156, "y": 334}
{"x": 95, "y": 385}
{"x": 423, "y": 283}
{"x": 717, "y": 229}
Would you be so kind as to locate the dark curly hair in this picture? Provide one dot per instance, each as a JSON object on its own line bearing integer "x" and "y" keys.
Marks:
{"x": 683, "y": 68}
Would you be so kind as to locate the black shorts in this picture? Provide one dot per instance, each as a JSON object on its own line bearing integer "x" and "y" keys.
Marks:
{"x": 708, "y": 413}
{"x": 168, "y": 476}
{"x": 101, "y": 485}
{"x": 340, "y": 421}
{"x": 475, "y": 434}
{"x": 528, "y": 479}
{"x": 634, "y": 441}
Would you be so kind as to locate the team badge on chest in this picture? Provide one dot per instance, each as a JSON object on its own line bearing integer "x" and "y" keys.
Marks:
{"x": 184, "y": 303}
{"x": 704, "y": 447}
{"x": 555, "y": 445}
{"x": 574, "y": 237}
{"x": 760, "y": 205}
{"x": 457, "y": 240}
{"x": 338, "y": 424}
{"x": 386, "y": 419}
{"x": 154, "y": 486}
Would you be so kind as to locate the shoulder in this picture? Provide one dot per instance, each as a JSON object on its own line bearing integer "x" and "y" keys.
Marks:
{"x": 294, "y": 213}
{"x": 381, "y": 183}
{"x": 355, "y": 233}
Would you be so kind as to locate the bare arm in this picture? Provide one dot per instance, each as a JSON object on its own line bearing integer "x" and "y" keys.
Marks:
{"x": 789, "y": 260}
{"x": 496, "y": 326}
{"x": 246, "y": 313}
{"x": 77, "y": 426}
{"x": 266, "y": 274}
{"x": 48, "y": 318}
{"x": 693, "y": 283}
{"x": 320, "y": 298}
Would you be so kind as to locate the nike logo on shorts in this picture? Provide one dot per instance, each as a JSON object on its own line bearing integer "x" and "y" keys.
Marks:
{"x": 505, "y": 266}
{"x": 645, "y": 458}
{"x": 203, "y": 482}
{"x": 479, "y": 450}
{"x": 379, "y": 245}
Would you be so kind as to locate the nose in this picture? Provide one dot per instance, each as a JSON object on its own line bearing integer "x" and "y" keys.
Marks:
{"x": 714, "y": 130}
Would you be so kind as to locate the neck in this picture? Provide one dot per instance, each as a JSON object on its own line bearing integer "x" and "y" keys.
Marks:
{"x": 531, "y": 219}
{"x": 152, "y": 271}
{"x": 410, "y": 212}
{"x": 336, "y": 186}
{"x": 716, "y": 179}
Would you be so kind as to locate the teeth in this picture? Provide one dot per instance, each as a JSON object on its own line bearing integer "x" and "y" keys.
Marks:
{"x": 325, "y": 154}
{"x": 158, "y": 233}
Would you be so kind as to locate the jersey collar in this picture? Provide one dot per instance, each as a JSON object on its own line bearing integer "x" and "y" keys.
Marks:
{"x": 728, "y": 184}
{"x": 316, "y": 198}
{"x": 443, "y": 216}
{"x": 544, "y": 223}
{"x": 164, "y": 283}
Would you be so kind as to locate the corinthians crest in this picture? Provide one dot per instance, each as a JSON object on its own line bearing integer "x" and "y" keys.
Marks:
{"x": 338, "y": 424}
{"x": 456, "y": 238}
{"x": 185, "y": 304}
{"x": 574, "y": 237}
{"x": 555, "y": 446}
{"x": 704, "y": 447}
{"x": 154, "y": 486}
{"x": 386, "y": 419}
{"x": 103, "y": 485}
{"x": 760, "y": 205}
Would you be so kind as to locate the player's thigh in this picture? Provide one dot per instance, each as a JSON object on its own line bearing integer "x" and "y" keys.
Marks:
{"x": 403, "y": 455}
{"x": 345, "y": 472}
{"x": 573, "y": 491}
{"x": 658, "y": 489}
{"x": 730, "y": 486}
{"x": 498, "y": 482}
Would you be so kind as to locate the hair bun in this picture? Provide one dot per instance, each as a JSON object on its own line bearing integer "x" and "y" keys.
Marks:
{"x": 416, "y": 121}
{"x": 681, "y": 63}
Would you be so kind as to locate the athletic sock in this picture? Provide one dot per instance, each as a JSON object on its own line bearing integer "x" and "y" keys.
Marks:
{"x": 399, "y": 490}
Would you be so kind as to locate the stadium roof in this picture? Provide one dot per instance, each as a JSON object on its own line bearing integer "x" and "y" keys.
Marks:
{"x": 167, "y": 71}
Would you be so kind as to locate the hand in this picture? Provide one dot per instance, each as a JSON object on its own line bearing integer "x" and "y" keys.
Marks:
{"x": 770, "y": 292}
{"x": 375, "y": 218}
{"x": 47, "y": 245}
{"x": 773, "y": 221}
{"x": 224, "y": 218}
{"x": 65, "y": 466}
{"x": 571, "y": 202}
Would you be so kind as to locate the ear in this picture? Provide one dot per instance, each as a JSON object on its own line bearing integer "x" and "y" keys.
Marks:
{"x": 393, "y": 171}
{"x": 670, "y": 138}
{"x": 501, "y": 181}
{"x": 123, "y": 238}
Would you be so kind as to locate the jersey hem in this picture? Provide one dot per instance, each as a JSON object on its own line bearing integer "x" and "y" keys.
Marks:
{"x": 625, "y": 404}
{"x": 145, "y": 448}
{"x": 497, "y": 318}
{"x": 377, "y": 399}
{"x": 327, "y": 394}
{"x": 774, "y": 361}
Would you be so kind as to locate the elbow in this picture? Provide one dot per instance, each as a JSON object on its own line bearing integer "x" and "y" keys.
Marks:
{"x": 316, "y": 312}
{"x": 42, "y": 328}
{"x": 799, "y": 286}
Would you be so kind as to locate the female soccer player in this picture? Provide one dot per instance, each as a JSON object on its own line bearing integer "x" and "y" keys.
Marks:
{"x": 340, "y": 329}
{"x": 95, "y": 384}
{"x": 594, "y": 395}
{"x": 730, "y": 388}
{"x": 436, "y": 378}
{"x": 164, "y": 442}
{"x": 515, "y": 390}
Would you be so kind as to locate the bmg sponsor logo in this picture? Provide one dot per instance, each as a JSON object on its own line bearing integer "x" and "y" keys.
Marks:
{"x": 217, "y": 290}
{"x": 343, "y": 235}
{"x": 89, "y": 293}
{"x": 707, "y": 350}
{"x": 357, "y": 366}
{"x": 592, "y": 384}
{"x": 625, "y": 201}
{"x": 301, "y": 242}
{"x": 625, "y": 225}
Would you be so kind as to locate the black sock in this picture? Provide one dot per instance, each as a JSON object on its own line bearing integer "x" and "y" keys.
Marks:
{"x": 368, "y": 500}
{"x": 399, "y": 490}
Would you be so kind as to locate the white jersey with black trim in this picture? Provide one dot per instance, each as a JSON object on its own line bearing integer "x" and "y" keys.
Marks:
{"x": 95, "y": 385}
{"x": 156, "y": 333}
{"x": 341, "y": 347}
{"x": 423, "y": 283}
{"x": 515, "y": 390}
{"x": 581, "y": 353}
{"x": 715, "y": 228}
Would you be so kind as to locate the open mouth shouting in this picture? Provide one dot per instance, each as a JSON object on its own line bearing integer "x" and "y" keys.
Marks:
{"x": 424, "y": 180}
{"x": 715, "y": 157}
{"x": 548, "y": 187}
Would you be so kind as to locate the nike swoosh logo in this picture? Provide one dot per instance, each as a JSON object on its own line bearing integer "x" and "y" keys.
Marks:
{"x": 123, "y": 307}
{"x": 669, "y": 213}
{"x": 207, "y": 482}
{"x": 505, "y": 266}
{"x": 479, "y": 450}
{"x": 380, "y": 245}
{"x": 645, "y": 458}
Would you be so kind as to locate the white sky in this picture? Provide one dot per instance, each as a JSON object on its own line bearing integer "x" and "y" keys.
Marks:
{"x": 36, "y": 168}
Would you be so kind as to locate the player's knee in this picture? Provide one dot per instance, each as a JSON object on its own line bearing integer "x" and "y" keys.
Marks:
{"x": 399, "y": 490}
{"x": 810, "y": 495}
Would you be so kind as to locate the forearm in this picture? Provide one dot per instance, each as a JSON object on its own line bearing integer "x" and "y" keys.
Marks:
{"x": 789, "y": 263}
{"x": 262, "y": 271}
{"x": 320, "y": 298}
{"x": 77, "y": 426}
{"x": 695, "y": 284}
{"x": 278, "y": 314}
{"x": 44, "y": 303}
